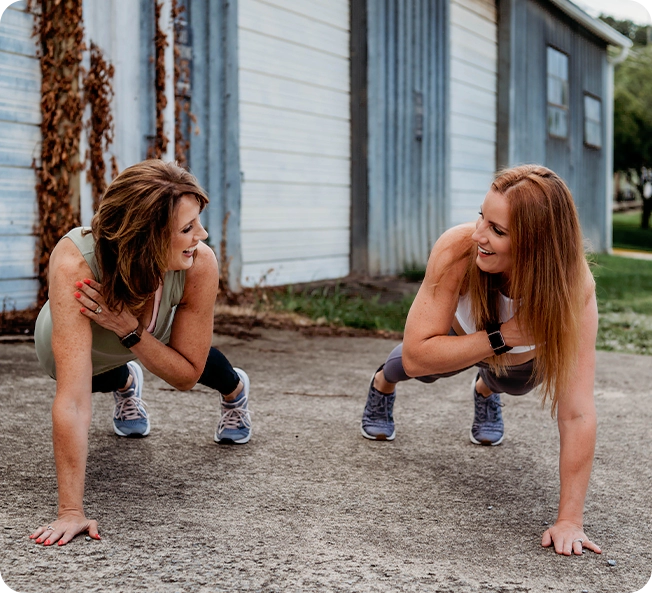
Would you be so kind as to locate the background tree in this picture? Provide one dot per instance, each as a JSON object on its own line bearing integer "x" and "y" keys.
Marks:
{"x": 633, "y": 109}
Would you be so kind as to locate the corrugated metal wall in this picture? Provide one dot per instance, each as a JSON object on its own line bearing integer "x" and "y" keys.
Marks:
{"x": 534, "y": 26}
{"x": 20, "y": 136}
{"x": 214, "y": 144}
{"x": 408, "y": 137}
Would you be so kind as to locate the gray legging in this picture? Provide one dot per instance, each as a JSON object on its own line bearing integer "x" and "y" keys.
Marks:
{"x": 517, "y": 381}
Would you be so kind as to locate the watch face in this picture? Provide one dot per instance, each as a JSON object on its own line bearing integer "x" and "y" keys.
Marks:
{"x": 130, "y": 340}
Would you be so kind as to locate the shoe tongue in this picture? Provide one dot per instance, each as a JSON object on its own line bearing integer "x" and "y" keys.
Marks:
{"x": 236, "y": 400}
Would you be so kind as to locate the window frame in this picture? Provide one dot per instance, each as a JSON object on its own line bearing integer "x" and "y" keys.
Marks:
{"x": 587, "y": 95}
{"x": 565, "y": 108}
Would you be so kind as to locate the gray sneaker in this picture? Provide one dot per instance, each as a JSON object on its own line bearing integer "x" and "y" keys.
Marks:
{"x": 130, "y": 419}
{"x": 378, "y": 415}
{"x": 488, "y": 428}
{"x": 234, "y": 427}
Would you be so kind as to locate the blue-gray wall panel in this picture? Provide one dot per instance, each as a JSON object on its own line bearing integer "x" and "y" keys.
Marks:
{"x": 407, "y": 114}
{"x": 214, "y": 145}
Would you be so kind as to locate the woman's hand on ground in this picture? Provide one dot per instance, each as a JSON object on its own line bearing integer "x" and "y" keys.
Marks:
{"x": 94, "y": 307}
{"x": 65, "y": 528}
{"x": 568, "y": 538}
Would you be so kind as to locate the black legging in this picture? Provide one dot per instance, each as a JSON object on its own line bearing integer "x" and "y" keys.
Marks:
{"x": 218, "y": 374}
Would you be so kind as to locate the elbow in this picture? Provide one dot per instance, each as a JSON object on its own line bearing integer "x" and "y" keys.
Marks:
{"x": 410, "y": 364}
{"x": 185, "y": 384}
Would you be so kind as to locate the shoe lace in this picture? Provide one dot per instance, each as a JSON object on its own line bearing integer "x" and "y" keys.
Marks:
{"x": 234, "y": 418}
{"x": 378, "y": 405}
{"x": 130, "y": 408}
{"x": 487, "y": 408}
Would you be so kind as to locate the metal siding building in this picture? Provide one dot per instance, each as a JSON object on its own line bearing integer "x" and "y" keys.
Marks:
{"x": 20, "y": 137}
{"x": 344, "y": 137}
{"x": 528, "y": 29}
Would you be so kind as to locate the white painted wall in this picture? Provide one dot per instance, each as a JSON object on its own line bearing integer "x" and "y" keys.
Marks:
{"x": 20, "y": 116}
{"x": 294, "y": 139}
{"x": 473, "y": 103}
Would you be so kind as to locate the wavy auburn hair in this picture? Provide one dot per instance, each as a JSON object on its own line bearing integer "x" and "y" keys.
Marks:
{"x": 548, "y": 273}
{"x": 133, "y": 230}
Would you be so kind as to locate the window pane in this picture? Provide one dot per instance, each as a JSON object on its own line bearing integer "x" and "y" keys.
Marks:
{"x": 593, "y": 133}
{"x": 592, "y": 108}
{"x": 557, "y": 122}
{"x": 563, "y": 66}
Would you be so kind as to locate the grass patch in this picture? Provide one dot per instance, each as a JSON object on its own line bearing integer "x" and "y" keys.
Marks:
{"x": 336, "y": 305}
{"x": 624, "y": 292}
{"x": 628, "y": 234}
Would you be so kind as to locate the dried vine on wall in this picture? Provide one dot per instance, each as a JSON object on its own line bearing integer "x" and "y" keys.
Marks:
{"x": 98, "y": 92}
{"x": 160, "y": 144}
{"x": 183, "y": 118}
{"x": 59, "y": 31}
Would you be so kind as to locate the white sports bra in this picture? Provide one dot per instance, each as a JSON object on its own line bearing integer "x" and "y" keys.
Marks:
{"x": 465, "y": 318}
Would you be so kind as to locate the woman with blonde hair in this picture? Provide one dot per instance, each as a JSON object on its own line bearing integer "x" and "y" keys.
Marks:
{"x": 512, "y": 295}
{"x": 140, "y": 283}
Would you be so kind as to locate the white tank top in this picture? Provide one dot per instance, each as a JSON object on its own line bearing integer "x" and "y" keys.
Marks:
{"x": 465, "y": 317}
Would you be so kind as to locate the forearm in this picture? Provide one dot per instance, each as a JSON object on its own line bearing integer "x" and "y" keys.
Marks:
{"x": 577, "y": 446}
{"x": 443, "y": 354}
{"x": 165, "y": 362}
{"x": 70, "y": 424}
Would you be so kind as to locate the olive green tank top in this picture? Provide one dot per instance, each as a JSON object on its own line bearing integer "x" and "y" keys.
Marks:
{"x": 107, "y": 352}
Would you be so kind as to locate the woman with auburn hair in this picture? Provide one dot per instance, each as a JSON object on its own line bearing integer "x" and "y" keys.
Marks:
{"x": 513, "y": 296}
{"x": 140, "y": 283}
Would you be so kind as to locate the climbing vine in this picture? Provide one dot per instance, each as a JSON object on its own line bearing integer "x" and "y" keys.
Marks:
{"x": 59, "y": 31}
{"x": 98, "y": 93}
{"x": 160, "y": 144}
{"x": 183, "y": 118}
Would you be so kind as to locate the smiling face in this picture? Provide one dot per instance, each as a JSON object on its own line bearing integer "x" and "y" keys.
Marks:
{"x": 187, "y": 232}
{"x": 493, "y": 237}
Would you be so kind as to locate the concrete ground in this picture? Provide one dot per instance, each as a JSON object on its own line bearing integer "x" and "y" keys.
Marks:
{"x": 308, "y": 504}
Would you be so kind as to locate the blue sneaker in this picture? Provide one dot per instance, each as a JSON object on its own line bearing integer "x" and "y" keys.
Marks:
{"x": 130, "y": 419}
{"x": 234, "y": 426}
{"x": 378, "y": 416}
{"x": 488, "y": 428}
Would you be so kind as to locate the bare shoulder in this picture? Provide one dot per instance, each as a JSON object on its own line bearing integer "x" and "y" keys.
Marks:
{"x": 589, "y": 282}
{"x": 67, "y": 264}
{"x": 450, "y": 249}
{"x": 205, "y": 264}
{"x": 202, "y": 279}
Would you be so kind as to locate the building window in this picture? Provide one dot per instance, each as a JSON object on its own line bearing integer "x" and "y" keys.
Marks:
{"x": 557, "y": 93}
{"x": 592, "y": 121}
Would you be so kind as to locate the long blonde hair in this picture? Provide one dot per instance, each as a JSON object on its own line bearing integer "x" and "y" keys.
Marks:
{"x": 547, "y": 281}
{"x": 133, "y": 229}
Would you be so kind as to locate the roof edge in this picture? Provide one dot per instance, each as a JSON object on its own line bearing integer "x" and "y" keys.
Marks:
{"x": 596, "y": 26}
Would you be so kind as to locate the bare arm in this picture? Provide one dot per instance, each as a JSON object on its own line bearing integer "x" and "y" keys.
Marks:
{"x": 577, "y": 422}
{"x": 71, "y": 409}
{"x": 427, "y": 347}
{"x": 181, "y": 362}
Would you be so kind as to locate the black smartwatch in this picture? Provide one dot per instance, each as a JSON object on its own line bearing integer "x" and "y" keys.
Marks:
{"x": 496, "y": 339}
{"x": 132, "y": 338}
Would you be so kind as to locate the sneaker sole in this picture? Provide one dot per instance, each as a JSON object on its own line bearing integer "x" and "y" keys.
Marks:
{"x": 231, "y": 441}
{"x": 380, "y": 437}
{"x": 134, "y": 435}
{"x": 485, "y": 443}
